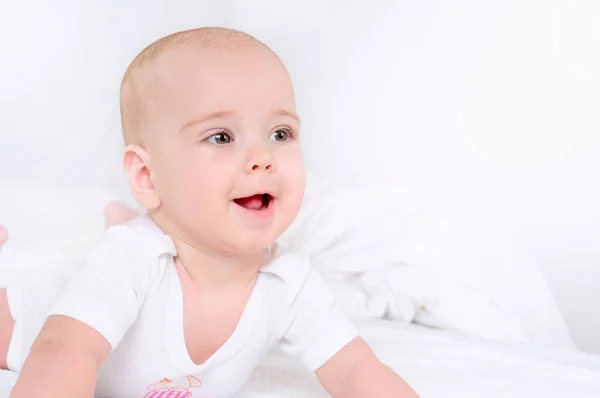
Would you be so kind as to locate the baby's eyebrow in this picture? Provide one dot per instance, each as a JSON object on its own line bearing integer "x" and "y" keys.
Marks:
{"x": 225, "y": 114}
{"x": 205, "y": 117}
{"x": 283, "y": 112}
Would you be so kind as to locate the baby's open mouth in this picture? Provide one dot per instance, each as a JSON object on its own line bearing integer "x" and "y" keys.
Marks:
{"x": 255, "y": 202}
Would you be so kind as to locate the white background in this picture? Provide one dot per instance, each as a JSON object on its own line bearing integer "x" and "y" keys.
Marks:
{"x": 493, "y": 104}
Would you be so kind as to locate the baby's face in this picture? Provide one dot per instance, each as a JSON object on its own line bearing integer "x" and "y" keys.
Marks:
{"x": 225, "y": 157}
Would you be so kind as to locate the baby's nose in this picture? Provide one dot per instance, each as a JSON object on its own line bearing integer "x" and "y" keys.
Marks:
{"x": 259, "y": 160}
{"x": 262, "y": 166}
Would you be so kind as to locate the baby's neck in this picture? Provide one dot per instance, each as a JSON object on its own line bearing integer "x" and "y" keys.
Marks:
{"x": 208, "y": 267}
{"x": 213, "y": 270}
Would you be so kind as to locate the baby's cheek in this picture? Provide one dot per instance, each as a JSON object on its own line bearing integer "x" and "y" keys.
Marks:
{"x": 295, "y": 180}
{"x": 176, "y": 192}
{"x": 290, "y": 164}
{"x": 199, "y": 193}
{"x": 294, "y": 186}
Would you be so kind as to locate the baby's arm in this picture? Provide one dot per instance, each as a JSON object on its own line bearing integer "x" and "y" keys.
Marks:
{"x": 65, "y": 357}
{"x": 327, "y": 342}
{"x": 63, "y": 361}
{"x": 356, "y": 372}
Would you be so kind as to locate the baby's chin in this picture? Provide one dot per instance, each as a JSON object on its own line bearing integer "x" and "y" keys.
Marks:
{"x": 251, "y": 242}
{"x": 251, "y": 233}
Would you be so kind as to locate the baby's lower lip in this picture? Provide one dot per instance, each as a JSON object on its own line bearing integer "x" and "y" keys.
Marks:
{"x": 255, "y": 202}
{"x": 263, "y": 212}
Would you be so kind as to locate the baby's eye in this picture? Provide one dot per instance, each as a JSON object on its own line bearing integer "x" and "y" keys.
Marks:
{"x": 280, "y": 135}
{"x": 219, "y": 139}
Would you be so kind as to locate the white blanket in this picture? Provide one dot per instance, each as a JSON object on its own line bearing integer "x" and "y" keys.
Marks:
{"x": 440, "y": 365}
{"x": 389, "y": 255}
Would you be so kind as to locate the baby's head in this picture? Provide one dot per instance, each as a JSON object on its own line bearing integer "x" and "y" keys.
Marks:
{"x": 209, "y": 120}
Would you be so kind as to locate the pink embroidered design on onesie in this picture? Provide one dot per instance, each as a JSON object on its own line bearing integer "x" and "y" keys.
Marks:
{"x": 179, "y": 388}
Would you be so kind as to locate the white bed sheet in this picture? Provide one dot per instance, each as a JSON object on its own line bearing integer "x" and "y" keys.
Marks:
{"x": 437, "y": 364}
{"x": 442, "y": 364}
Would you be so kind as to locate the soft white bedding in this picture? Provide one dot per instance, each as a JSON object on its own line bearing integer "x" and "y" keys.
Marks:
{"x": 449, "y": 365}
{"x": 457, "y": 285}
{"x": 403, "y": 259}
{"x": 438, "y": 364}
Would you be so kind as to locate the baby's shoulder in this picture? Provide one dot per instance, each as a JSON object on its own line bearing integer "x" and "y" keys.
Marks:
{"x": 286, "y": 264}
{"x": 289, "y": 270}
{"x": 133, "y": 244}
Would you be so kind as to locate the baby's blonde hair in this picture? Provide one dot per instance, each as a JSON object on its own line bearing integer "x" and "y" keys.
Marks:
{"x": 136, "y": 86}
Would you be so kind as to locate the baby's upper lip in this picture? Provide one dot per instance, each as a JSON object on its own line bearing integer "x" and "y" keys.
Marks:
{"x": 254, "y": 194}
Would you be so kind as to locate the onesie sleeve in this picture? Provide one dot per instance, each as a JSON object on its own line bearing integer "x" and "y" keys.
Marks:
{"x": 316, "y": 329}
{"x": 108, "y": 291}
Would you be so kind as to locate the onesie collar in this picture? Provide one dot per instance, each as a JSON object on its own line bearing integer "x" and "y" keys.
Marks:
{"x": 155, "y": 240}
{"x": 291, "y": 268}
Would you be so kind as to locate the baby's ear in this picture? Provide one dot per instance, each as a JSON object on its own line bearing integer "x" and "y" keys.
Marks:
{"x": 137, "y": 167}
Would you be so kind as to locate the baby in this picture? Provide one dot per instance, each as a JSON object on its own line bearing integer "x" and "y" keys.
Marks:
{"x": 184, "y": 300}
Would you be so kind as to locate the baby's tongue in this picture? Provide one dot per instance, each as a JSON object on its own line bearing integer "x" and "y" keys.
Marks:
{"x": 254, "y": 202}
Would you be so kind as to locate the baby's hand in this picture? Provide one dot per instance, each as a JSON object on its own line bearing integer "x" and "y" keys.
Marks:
{"x": 3, "y": 235}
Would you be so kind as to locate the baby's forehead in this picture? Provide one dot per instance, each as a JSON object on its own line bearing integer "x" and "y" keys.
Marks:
{"x": 189, "y": 72}
{"x": 218, "y": 60}
{"x": 175, "y": 72}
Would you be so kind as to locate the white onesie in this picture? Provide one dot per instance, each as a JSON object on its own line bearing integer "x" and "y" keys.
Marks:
{"x": 130, "y": 292}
